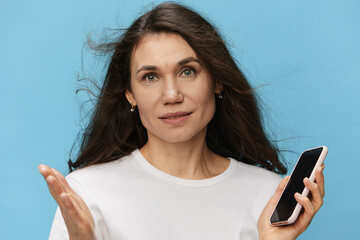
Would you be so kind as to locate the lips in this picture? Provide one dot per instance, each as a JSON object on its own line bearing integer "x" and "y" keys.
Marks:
{"x": 175, "y": 115}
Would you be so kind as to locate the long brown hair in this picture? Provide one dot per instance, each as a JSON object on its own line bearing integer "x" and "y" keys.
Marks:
{"x": 236, "y": 129}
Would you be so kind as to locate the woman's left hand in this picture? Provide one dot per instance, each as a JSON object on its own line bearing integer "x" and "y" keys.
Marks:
{"x": 310, "y": 205}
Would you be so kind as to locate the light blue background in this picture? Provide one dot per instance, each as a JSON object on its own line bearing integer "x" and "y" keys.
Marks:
{"x": 305, "y": 55}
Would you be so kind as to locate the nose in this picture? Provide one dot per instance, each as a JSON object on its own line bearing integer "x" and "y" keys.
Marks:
{"x": 171, "y": 92}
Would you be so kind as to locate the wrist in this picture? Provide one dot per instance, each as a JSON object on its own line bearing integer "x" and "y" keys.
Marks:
{"x": 264, "y": 237}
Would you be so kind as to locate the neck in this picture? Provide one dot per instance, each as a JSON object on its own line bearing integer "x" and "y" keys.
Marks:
{"x": 190, "y": 159}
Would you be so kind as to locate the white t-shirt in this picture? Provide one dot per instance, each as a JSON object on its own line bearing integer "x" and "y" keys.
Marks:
{"x": 130, "y": 199}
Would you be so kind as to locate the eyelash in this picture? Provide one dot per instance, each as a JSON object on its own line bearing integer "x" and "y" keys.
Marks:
{"x": 182, "y": 72}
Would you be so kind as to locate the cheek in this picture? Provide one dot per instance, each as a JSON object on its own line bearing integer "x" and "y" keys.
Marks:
{"x": 209, "y": 107}
{"x": 203, "y": 92}
{"x": 203, "y": 96}
{"x": 146, "y": 106}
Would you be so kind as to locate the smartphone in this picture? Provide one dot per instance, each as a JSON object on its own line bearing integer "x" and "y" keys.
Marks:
{"x": 287, "y": 209}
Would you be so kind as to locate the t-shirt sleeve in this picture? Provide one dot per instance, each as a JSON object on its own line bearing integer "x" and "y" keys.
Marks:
{"x": 58, "y": 229}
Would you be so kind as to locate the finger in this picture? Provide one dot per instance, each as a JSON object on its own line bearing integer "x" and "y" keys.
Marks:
{"x": 71, "y": 209}
{"x": 54, "y": 188}
{"x": 63, "y": 181}
{"x": 49, "y": 179}
{"x": 69, "y": 205}
{"x": 319, "y": 179}
{"x": 74, "y": 219}
{"x": 54, "y": 182}
{"x": 70, "y": 213}
{"x": 58, "y": 176}
{"x": 316, "y": 196}
{"x": 309, "y": 210}
{"x": 46, "y": 172}
{"x": 77, "y": 200}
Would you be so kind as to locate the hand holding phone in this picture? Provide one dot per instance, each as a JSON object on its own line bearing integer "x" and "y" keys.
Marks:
{"x": 287, "y": 209}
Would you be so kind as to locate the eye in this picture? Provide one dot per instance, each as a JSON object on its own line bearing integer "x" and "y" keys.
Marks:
{"x": 188, "y": 72}
{"x": 150, "y": 77}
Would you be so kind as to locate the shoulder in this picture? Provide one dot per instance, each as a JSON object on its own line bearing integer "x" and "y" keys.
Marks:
{"x": 257, "y": 184}
{"x": 101, "y": 169}
{"x": 103, "y": 176}
{"x": 257, "y": 175}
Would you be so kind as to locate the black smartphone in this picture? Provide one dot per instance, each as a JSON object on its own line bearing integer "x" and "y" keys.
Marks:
{"x": 287, "y": 209}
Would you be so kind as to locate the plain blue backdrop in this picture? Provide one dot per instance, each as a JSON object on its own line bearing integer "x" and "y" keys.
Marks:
{"x": 303, "y": 55}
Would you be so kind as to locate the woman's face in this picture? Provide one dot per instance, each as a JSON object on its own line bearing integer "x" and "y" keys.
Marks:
{"x": 173, "y": 91}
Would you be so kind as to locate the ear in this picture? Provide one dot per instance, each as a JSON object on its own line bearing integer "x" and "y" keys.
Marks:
{"x": 218, "y": 87}
{"x": 130, "y": 97}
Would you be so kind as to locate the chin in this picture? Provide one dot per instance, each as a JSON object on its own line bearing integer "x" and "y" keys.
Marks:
{"x": 178, "y": 137}
{"x": 175, "y": 139}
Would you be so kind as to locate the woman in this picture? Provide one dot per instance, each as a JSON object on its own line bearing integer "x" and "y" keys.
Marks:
{"x": 175, "y": 148}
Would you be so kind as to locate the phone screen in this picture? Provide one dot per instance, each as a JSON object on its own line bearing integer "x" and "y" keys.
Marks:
{"x": 287, "y": 202}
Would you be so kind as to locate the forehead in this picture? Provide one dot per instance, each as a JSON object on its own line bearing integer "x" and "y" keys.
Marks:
{"x": 160, "y": 49}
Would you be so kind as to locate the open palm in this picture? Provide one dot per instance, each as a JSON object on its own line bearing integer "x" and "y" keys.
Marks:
{"x": 77, "y": 216}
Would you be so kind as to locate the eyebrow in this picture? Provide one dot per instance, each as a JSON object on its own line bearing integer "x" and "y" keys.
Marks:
{"x": 180, "y": 63}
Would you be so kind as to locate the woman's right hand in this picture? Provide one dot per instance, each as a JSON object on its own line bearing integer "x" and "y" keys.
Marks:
{"x": 77, "y": 216}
